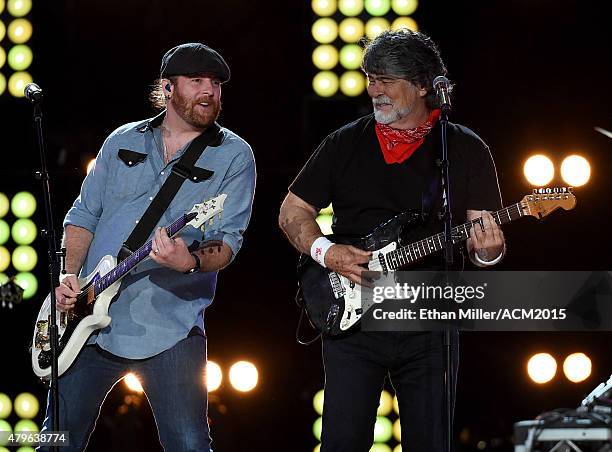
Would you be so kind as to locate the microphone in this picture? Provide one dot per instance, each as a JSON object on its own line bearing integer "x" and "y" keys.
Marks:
{"x": 33, "y": 93}
{"x": 443, "y": 88}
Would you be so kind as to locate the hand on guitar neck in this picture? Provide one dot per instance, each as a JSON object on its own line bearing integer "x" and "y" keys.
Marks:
{"x": 347, "y": 260}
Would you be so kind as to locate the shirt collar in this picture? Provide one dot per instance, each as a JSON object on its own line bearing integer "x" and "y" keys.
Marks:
{"x": 152, "y": 123}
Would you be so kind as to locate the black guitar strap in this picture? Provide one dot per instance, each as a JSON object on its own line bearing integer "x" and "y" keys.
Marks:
{"x": 181, "y": 171}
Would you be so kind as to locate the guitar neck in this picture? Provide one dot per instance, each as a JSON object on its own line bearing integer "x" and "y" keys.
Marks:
{"x": 418, "y": 250}
{"x": 125, "y": 266}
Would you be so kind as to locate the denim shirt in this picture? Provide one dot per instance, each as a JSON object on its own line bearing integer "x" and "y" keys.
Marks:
{"x": 156, "y": 307}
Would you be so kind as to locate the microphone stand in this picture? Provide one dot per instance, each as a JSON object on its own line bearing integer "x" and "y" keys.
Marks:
{"x": 448, "y": 262}
{"x": 54, "y": 260}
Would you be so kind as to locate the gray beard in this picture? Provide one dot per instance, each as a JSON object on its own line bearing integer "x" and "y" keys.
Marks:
{"x": 391, "y": 116}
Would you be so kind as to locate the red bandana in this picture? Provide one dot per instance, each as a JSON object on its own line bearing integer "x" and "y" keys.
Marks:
{"x": 397, "y": 145}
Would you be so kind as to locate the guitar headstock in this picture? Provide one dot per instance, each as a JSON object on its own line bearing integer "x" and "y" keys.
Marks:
{"x": 543, "y": 201}
{"x": 206, "y": 210}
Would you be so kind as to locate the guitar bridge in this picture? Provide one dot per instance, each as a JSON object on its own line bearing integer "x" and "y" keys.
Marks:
{"x": 336, "y": 285}
{"x": 42, "y": 340}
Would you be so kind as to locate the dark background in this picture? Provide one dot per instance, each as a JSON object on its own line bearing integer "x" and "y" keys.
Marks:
{"x": 530, "y": 75}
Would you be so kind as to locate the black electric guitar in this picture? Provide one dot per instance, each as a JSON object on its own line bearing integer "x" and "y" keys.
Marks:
{"x": 333, "y": 302}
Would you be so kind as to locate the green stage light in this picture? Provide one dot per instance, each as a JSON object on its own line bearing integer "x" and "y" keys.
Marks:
{"x": 2, "y": 30}
{"x": 6, "y": 406}
{"x": 19, "y": 8}
{"x": 26, "y": 426}
{"x": 2, "y": 84}
{"x": 5, "y": 427}
{"x": 5, "y": 258}
{"x": 379, "y": 447}
{"x": 351, "y": 29}
{"x": 350, "y": 7}
{"x": 404, "y": 7}
{"x": 23, "y": 204}
{"x": 26, "y": 405}
{"x": 28, "y": 282}
{"x": 4, "y": 232}
{"x": 317, "y": 402}
{"x": 20, "y": 57}
{"x": 385, "y": 404}
{"x": 4, "y": 204}
{"x": 26, "y": 449}
{"x": 24, "y": 258}
{"x": 23, "y": 231}
{"x": 351, "y": 56}
{"x": 325, "y": 30}
{"x": 20, "y": 31}
{"x": 383, "y": 429}
{"x": 2, "y": 59}
{"x": 325, "y": 57}
{"x": 377, "y": 7}
{"x": 376, "y": 26}
{"x": 316, "y": 428}
{"x": 405, "y": 22}
{"x": 17, "y": 82}
{"x": 3, "y": 278}
{"x": 324, "y": 7}
{"x": 352, "y": 83}
{"x": 325, "y": 83}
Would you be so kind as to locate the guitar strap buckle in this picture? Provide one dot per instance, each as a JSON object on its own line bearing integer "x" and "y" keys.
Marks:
{"x": 124, "y": 252}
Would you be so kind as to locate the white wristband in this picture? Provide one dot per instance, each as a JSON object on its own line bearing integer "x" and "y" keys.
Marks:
{"x": 319, "y": 249}
{"x": 488, "y": 263}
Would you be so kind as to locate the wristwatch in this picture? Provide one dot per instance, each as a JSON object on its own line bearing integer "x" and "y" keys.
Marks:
{"x": 196, "y": 267}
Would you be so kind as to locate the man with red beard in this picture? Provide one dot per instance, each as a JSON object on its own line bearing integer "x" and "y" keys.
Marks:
{"x": 157, "y": 327}
{"x": 370, "y": 170}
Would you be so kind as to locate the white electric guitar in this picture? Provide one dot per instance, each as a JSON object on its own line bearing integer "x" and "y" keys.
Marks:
{"x": 98, "y": 289}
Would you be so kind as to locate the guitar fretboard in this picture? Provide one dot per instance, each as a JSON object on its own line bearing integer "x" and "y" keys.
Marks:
{"x": 124, "y": 267}
{"x": 418, "y": 250}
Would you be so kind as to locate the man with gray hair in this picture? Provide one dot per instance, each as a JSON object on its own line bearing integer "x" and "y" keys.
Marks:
{"x": 371, "y": 170}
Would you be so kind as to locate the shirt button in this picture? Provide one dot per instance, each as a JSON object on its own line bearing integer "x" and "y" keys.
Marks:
{"x": 162, "y": 173}
{"x": 136, "y": 221}
{"x": 150, "y": 198}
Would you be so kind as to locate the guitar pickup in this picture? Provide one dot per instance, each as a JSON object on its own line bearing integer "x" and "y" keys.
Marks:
{"x": 336, "y": 285}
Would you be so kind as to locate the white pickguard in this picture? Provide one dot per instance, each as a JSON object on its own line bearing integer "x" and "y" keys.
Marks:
{"x": 352, "y": 292}
{"x": 99, "y": 319}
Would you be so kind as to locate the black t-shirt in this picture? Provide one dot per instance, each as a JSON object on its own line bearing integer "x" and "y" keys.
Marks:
{"x": 348, "y": 169}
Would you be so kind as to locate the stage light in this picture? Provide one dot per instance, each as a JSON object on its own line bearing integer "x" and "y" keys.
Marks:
{"x": 325, "y": 83}
{"x": 133, "y": 383}
{"x": 17, "y": 82}
{"x": 26, "y": 425}
{"x": 385, "y": 404}
{"x": 20, "y": 31}
{"x": 350, "y": 7}
{"x": 541, "y": 368}
{"x": 383, "y": 429}
{"x": 324, "y": 7}
{"x": 325, "y": 223}
{"x": 5, "y": 427}
{"x": 351, "y": 56}
{"x": 20, "y": 57}
{"x": 5, "y": 232}
{"x": 325, "y": 30}
{"x": 4, "y": 205}
{"x": 404, "y": 7}
{"x": 317, "y": 402}
{"x": 377, "y": 7}
{"x": 395, "y": 405}
{"x": 28, "y": 282}
{"x": 5, "y": 258}
{"x": 25, "y": 258}
{"x": 351, "y": 30}
{"x": 19, "y": 8}
{"x": 379, "y": 447}
{"x": 397, "y": 430}
{"x": 539, "y": 170}
{"x": 376, "y": 26}
{"x": 577, "y": 367}
{"x": 23, "y": 231}
{"x": 2, "y": 30}
{"x": 2, "y": 83}
{"x": 329, "y": 210}
{"x": 243, "y": 376}
{"x": 352, "y": 83}
{"x": 317, "y": 448}
{"x": 23, "y": 204}
{"x": 325, "y": 57}
{"x": 316, "y": 428}
{"x": 405, "y": 22}
{"x": 6, "y": 406}
{"x": 2, "y": 58}
{"x": 214, "y": 376}
{"x": 26, "y": 405}
{"x": 25, "y": 449}
{"x": 397, "y": 448}
{"x": 4, "y": 278}
{"x": 575, "y": 170}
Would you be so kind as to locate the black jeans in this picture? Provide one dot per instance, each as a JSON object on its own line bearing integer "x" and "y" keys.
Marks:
{"x": 355, "y": 369}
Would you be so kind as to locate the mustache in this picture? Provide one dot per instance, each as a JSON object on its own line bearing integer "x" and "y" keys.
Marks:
{"x": 382, "y": 99}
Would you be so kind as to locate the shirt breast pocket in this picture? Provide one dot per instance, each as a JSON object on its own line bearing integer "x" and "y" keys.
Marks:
{"x": 129, "y": 178}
